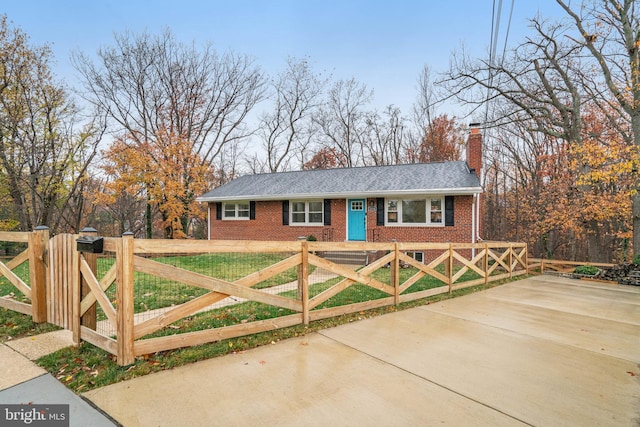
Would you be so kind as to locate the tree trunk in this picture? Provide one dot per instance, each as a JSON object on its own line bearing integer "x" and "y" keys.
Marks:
{"x": 635, "y": 212}
{"x": 149, "y": 220}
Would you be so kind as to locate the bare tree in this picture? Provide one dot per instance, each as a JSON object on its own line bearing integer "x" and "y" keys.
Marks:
{"x": 42, "y": 155}
{"x": 148, "y": 85}
{"x": 285, "y": 129}
{"x": 383, "y": 138}
{"x": 434, "y": 136}
{"x": 538, "y": 83}
{"x": 342, "y": 119}
{"x": 546, "y": 82}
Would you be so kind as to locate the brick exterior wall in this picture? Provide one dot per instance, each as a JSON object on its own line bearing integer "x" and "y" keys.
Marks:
{"x": 267, "y": 225}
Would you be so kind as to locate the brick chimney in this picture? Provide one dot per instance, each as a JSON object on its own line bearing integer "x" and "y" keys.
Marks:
{"x": 474, "y": 149}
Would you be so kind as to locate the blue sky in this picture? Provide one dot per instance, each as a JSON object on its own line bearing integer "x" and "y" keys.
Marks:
{"x": 383, "y": 44}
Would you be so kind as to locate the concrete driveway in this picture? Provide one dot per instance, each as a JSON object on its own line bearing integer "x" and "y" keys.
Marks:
{"x": 539, "y": 351}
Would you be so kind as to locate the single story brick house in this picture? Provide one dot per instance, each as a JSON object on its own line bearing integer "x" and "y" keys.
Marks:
{"x": 422, "y": 202}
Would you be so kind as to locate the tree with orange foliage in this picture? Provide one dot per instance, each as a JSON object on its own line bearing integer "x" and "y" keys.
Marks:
{"x": 154, "y": 86}
{"x": 326, "y": 158}
{"x": 567, "y": 200}
{"x": 593, "y": 58}
{"x": 607, "y": 173}
{"x": 166, "y": 172}
{"x": 442, "y": 141}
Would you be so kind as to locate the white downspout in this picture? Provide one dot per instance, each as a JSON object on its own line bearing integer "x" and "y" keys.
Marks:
{"x": 478, "y": 237}
{"x": 473, "y": 225}
{"x": 208, "y": 221}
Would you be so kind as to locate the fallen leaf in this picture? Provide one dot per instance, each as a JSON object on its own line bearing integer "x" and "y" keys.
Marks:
{"x": 633, "y": 374}
{"x": 304, "y": 343}
{"x": 262, "y": 362}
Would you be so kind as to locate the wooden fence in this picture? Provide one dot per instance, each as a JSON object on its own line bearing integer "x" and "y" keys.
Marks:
{"x": 540, "y": 265}
{"x": 104, "y": 307}
{"x": 34, "y": 290}
{"x": 129, "y": 337}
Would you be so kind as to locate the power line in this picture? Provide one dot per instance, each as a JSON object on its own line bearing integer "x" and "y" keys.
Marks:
{"x": 493, "y": 46}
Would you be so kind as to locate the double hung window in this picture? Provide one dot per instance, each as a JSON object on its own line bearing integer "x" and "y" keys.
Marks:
{"x": 308, "y": 212}
{"x": 238, "y": 210}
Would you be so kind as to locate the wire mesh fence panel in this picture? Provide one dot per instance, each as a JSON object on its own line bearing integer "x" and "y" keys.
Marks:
{"x": 105, "y": 265}
{"x": 350, "y": 277}
{"x": 155, "y": 295}
{"x": 9, "y": 253}
{"x": 421, "y": 268}
{"x": 8, "y": 250}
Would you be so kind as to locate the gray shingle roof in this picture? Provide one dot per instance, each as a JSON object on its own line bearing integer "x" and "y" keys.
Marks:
{"x": 373, "y": 181}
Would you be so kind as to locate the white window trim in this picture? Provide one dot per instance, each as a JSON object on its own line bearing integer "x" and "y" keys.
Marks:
{"x": 414, "y": 224}
{"x": 236, "y": 217}
{"x": 306, "y": 222}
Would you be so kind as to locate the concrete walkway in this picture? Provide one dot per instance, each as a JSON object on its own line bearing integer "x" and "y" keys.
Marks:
{"x": 540, "y": 351}
{"x": 22, "y": 382}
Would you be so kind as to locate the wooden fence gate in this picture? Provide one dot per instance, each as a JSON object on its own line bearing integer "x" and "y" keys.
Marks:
{"x": 59, "y": 285}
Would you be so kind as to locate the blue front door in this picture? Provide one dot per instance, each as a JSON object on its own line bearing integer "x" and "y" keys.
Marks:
{"x": 356, "y": 219}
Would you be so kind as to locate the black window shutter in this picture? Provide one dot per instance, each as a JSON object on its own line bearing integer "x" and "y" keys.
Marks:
{"x": 285, "y": 212}
{"x": 219, "y": 210}
{"x": 448, "y": 210}
{"x": 252, "y": 210}
{"x": 327, "y": 211}
{"x": 380, "y": 211}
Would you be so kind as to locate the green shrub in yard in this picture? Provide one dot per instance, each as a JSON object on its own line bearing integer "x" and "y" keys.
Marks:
{"x": 636, "y": 259}
{"x": 587, "y": 270}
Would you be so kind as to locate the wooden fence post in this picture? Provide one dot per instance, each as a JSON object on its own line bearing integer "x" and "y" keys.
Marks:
{"x": 124, "y": 299}
{"x": 89, "y": 319}
{"x": 395, "y": 273}
{"x": 74, "y": 310}
{"x": 303, "y": 281}
{"x": 510, "y": 260}
{"x": 449, "y": 268}
{"x": 486, "y": 264}
{"x": 38, "y": 244}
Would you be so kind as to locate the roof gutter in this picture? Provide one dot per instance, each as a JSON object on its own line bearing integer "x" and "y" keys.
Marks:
{"x": 465, "y": 191}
